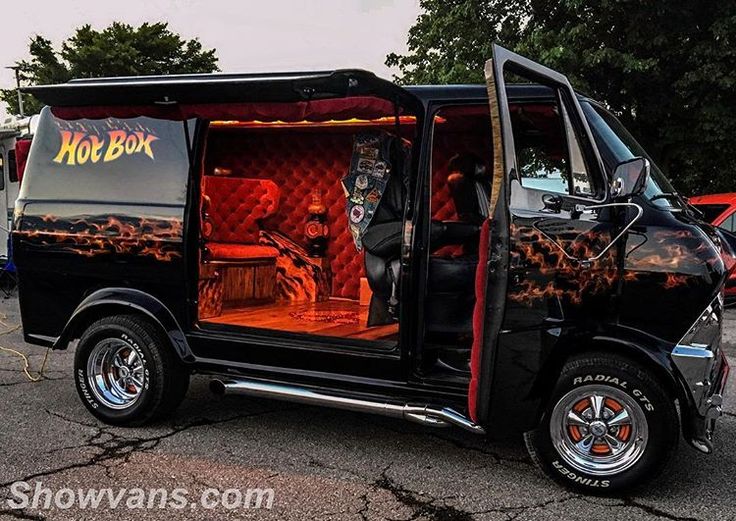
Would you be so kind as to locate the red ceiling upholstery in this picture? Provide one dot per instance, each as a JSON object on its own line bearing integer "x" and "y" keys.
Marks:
{"x": 238, "y": 206}
{"x": 362, "y": 107}
{"x": 298, "y": 165}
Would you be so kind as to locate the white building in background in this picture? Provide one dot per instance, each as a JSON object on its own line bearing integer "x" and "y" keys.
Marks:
{"x": 12, "y": 130}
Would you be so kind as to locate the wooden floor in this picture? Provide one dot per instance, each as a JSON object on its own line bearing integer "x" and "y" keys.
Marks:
{"x": 336, "y": 317}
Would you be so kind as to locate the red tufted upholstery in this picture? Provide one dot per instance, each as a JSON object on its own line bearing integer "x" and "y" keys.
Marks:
{"x": 298, "y": 162}
{"x": 236, "y": 209}
{"x": 235, "y": 252}
{"x": 238, "y": 206}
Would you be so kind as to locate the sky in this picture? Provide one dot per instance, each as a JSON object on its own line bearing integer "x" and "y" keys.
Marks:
{"x": 249, "y": 35}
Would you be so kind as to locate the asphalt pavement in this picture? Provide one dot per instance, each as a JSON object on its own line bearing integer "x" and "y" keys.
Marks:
{"x": 319, "y": 463}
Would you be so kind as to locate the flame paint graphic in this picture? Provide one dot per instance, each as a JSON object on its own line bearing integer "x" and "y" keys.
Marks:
{"x": 675, "y": 258}
{"x": 91, "y": 236}
{"x": 563, "y": 277}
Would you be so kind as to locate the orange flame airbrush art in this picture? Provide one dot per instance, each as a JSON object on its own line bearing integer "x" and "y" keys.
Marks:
{"x": 157, "y": 238}
{"x": 562, "y": 276}
{"x": 673, "y": 257}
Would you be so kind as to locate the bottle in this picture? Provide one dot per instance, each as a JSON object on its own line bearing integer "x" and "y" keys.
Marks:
{"x": 316, "y": 229}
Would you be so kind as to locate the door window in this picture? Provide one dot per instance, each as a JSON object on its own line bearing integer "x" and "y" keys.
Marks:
{"x": 2, "y": 169}
{"x": 548, "y": 151}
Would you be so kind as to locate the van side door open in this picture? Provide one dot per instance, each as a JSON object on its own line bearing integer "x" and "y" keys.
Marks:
{"x": 548, "y": 185}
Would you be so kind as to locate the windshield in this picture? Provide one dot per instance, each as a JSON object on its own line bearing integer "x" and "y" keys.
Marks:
{"x": 617, "y": 145}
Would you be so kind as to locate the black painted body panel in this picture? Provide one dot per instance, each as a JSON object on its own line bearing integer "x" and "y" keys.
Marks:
{"x": 117, "y": 234}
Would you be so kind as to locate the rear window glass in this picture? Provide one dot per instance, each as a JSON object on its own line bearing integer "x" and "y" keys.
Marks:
{"x": 139, "y": 160}
{"x": 711, "y": 211}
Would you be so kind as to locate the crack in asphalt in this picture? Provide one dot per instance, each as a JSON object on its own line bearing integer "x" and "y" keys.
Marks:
{"x": 21, "y": 514}
{"x": 419, "y": 507}
{"x": 117, "y": 446}
{"x": 435, "y": 509}
{"x": 363, "y": 512}
{"x": 29, "y": 382}
{"x": 497, "y": 457}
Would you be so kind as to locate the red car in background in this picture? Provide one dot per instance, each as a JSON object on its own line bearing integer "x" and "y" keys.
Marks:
{"x": 720, "y": 211}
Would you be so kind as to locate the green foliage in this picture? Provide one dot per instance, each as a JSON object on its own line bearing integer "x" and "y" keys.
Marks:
{"x": 118, "y": 50}
{"x": 666, "y": 68}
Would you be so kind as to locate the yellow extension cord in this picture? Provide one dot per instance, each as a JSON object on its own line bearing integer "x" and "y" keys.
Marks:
{"x": 27, "y": 366}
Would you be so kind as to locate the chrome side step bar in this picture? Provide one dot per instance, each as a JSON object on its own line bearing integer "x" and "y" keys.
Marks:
{"x": 423, "y": 414}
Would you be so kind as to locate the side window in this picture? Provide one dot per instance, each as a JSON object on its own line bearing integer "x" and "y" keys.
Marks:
{"x": 729, "y": 223}
{"x": 2, "y": 168}
{"x": 139, "y": 159}
{"x": 548, "y": 152}
{"x": 12, "y": 167}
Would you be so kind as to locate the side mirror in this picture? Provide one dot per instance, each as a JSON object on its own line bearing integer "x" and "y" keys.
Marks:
{"x": 630, "y": 178}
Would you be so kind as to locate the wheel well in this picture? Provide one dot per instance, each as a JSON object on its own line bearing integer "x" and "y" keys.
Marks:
{"x": 552, "y": 369}
{"x": 87, "y": 317}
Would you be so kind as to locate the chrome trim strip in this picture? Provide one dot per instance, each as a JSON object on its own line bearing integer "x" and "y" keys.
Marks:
{"x": 696, "y": 354}
{"x": 423, "y": 414}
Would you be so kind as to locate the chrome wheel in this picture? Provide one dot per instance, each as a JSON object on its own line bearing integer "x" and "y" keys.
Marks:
{"x": 115, "y": 373}
{"x": 599, "y": 430}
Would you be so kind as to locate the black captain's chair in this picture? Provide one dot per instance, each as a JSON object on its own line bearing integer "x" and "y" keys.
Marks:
{"x": 451, "y": 288}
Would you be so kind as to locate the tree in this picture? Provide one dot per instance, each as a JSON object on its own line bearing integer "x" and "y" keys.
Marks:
{"x": 667, "y": 68}
{"x": 118, "y": 50}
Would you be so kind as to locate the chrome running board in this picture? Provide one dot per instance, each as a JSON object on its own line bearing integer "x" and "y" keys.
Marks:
{"x": 423, "y": 414}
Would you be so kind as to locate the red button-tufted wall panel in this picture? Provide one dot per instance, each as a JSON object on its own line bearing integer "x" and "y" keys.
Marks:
{"x": 238, "y": 206}
{"x": 299, "y": 163}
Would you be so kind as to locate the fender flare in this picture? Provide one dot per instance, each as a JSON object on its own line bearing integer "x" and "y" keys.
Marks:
{"x": 107, "y": 299}
{"x": 650, "y": 352}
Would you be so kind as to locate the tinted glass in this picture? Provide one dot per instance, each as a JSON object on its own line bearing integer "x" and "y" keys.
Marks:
{"x": 547, "y": 149}
{"x": 139, "y": 160}
{"x": 12, "y": 167}
{"x": 728, "y": 223}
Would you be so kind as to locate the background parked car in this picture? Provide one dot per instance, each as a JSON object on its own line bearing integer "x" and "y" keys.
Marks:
{"x": 720, "y": 211}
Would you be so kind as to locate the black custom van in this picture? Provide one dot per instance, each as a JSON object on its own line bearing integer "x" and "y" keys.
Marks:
{"x": 503, "y": 258}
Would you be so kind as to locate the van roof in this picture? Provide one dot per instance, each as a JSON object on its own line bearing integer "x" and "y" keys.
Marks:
{"x": 233, "y": 88}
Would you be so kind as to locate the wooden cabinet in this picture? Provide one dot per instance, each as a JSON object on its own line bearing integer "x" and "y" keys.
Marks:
{"x": 233, "y": 284}
{"x": 249, "y": 283}
{"x": 210, "y": 291}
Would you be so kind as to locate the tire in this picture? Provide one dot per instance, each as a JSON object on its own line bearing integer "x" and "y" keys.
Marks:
{"x": 566, "y": 448}
{"x": 153, "y": 385}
